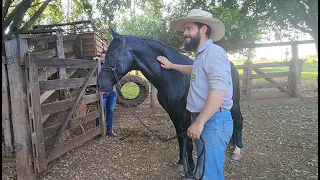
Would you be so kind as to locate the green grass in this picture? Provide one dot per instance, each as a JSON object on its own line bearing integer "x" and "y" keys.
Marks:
{"x": 309, "y": 69}
{"x": 130, "y": 90}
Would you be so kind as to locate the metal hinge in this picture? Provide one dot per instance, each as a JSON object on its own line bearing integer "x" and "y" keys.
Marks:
{"x": 7, "y": 60}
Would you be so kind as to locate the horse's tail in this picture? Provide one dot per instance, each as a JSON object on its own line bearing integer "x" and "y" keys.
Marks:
{"x": 235, "y": 82}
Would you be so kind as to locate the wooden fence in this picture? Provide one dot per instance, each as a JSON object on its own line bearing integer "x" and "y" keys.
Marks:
{"x": 45, "y": 100}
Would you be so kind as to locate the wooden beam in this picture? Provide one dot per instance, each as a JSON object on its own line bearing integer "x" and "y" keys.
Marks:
{"x": 64, "y": 83}
{"x": 35, "y": 113}
{"x": 68, "y": 63}
{"x": 19, "y": 117}
{"x": 47, "y": 53}
{"x": 58, "y": 106}
{"x": 6, "y": 122}
{"x": 242, "y": 46}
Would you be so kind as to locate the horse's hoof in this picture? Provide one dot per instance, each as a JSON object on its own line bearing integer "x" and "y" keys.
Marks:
{"x": 180, "y": 168}
{"x": 236, "y": 156}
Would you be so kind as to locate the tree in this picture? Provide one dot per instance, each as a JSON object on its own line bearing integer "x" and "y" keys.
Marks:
{"x": 286, "y": 16}
{"x": 151, "y": 26}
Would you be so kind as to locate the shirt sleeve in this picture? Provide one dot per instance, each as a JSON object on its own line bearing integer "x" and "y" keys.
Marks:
{"x": 217, "y": 67}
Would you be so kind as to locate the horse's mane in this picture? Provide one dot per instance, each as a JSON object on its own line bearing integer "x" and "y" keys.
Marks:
{"x": 161, "y": 49}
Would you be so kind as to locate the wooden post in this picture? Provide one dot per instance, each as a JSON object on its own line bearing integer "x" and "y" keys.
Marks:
{"x": 19, "y": 115}
{"x": 295, "y": 71}
{"x": 102, "y": 121}
{"x": 62, "y": 71}
{"x": 6, "y": 122}
{"x": 154, "y": 98}
{"x": 244, "y": 81}
{"x": 34, "y": 106}
{"x": 79, "y": 50}
{"x": 249, "y": 80}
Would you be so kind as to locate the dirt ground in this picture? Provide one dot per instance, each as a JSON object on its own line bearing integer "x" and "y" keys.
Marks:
{"x": 280, "y": 142}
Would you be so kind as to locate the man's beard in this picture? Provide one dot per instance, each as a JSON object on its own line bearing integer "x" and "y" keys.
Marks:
{"x": 193, "y": 43}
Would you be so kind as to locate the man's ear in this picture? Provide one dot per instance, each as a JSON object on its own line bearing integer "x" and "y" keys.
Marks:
{"x": 203, "y": 29}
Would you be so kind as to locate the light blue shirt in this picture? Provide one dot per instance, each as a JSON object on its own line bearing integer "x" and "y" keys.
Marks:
{"x": 211, "y": 70}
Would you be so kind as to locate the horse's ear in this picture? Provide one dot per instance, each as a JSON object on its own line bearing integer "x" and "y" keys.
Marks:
{"x": 113, "y": 33}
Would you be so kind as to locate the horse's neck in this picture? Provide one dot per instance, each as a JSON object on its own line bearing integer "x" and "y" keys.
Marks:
{"x": 146, "y": 62}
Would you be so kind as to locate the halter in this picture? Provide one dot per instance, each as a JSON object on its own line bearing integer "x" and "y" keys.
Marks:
{"x": 118, "y": 63}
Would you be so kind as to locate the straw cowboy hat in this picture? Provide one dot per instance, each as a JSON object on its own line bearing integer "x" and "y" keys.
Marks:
{"x": 201, "y": 16}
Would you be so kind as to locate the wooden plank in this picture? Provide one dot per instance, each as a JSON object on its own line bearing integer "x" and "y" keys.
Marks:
{"x": 69, "y": 145}
{"x": 242, "y": 46}
{"x": 270, "y": 80}
{"x": 67, "y": 63}
{"x": 87, "y": 42}
{"x": 41, "y": 40}
{"x": 58, "y": 106}
{"x": 88, "y": 48}
{"x": 63, "y": 93}
{"x": 69, "y": 47}
{"x": 47, "y": 53}
{"x": 28, "y": 36}
{"x": 268, "y": 95}
{"x": 44, "y": 96}
{"x": 79, "y": 50}
{"x": 64, "y": 83}
{"x": 70, "y": 112}
{"x": 35, "y": 114}
{"x": 89, "y": 54}
{"x": 273, "y": 64}
{"x": 6, "y": 122}
{"x": 69, "y": 37}
{"x": 295, "y": 71}
{"x": 44, "y": 74}
{"x": 18, "y": 98}
{"x": 270, "y": 85}
{"x": 270, "y": 75}
{"x": 86, "y": 36}
{"x": 243, "y": 66}
{"x": 52, "y": 131}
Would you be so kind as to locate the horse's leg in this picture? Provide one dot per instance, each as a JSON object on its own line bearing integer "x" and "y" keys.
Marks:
{"x": 237, "y": 131}
{"x": 180, "y": 163}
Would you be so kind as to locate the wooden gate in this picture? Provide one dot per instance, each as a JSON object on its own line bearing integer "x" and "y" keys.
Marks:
{"x": 288, "y": 86}
{"x": 52, "y": 139}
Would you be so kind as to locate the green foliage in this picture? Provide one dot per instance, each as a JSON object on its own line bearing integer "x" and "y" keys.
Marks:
{"x": 151, "y": 26}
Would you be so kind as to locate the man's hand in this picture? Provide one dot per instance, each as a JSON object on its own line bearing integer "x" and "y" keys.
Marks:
{"x": 195, "y": 130}
{"x": 165, "y": 63}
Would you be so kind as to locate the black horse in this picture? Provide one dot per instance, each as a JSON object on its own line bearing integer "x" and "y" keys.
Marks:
{"x": 126, "y": 53}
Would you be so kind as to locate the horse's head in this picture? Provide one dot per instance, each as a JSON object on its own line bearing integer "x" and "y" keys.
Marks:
{"x": 118, "y": 62}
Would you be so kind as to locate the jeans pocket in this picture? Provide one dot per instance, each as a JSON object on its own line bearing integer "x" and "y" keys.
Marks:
{"x": 227, "y": 130}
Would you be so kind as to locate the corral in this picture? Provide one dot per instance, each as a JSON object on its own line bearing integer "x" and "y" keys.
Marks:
{"x": 33, "y": 79}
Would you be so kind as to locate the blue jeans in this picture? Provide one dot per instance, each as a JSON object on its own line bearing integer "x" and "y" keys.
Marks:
{"x": 216, "y": 133}
{"x": 109, "y": 102}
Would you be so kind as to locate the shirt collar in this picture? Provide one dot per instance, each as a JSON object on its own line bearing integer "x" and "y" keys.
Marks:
{"x": 204, "y": 46}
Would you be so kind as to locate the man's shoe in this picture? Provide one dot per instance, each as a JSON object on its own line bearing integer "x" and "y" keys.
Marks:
{"x": 111, "y": 133}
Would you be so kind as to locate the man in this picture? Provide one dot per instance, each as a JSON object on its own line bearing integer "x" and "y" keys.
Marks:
{"x": 109, "y": 102}
{"x": 209, "y": 97}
